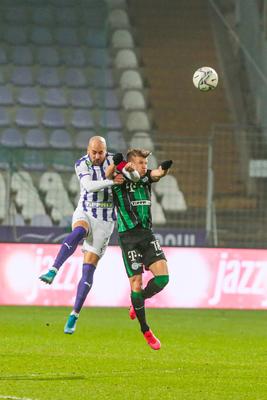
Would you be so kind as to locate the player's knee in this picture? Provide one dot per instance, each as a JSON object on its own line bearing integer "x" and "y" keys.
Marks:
{"x": 162, "y": 280}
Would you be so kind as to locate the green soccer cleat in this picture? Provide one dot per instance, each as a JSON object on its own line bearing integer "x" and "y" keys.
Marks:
{"x": 71, "y": 324}
{"x": 48, "y": 277}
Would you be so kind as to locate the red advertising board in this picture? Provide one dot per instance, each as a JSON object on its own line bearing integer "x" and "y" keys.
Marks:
{"x": 199, "y": 278}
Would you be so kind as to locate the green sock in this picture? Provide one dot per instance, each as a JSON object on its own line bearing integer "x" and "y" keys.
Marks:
{"x": 155, "y": 285}
{"x": 138, "y": 303}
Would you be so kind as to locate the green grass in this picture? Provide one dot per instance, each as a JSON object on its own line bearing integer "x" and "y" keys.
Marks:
{"x": 205, "y": 354}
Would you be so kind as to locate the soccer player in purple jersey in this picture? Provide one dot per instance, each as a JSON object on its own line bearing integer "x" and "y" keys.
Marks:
{"x": 92, "y": 221}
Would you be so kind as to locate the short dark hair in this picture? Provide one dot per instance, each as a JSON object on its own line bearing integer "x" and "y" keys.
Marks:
{"x": 137, "y": 153}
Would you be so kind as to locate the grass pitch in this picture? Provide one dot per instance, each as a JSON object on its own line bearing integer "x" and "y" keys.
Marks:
{"x": 205, "y": 354}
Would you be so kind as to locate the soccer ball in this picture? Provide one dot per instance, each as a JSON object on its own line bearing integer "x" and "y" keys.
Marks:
{"x": 205, "y": 79}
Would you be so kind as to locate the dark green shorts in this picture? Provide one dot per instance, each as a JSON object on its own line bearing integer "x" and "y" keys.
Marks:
{"x": 139, "y": 248}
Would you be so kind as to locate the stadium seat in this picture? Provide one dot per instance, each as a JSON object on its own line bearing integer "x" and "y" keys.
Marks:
{"x": 26, "y": 118}
{"x": 118, "y": 19}
{"x": 29, "y": 96}
{"x": 81, "y": 139}
{"x": 73, "y": 57}
{"x": 3, "y": 57}
{"x": 81, "y": 98}
{"x": 152, "y": 162}
{"x": 103, "y": 78}
{"x": 48, "y": 76}
{"x": 4, "y": 117}
{"x": 82, "y": 119}
{"x": 99, "y": 58}
{"x": 48, "y": 56}
{"x": 63, "y": 161}
{"x": 20, "y": 179}
{"x": 66, "y": 37}
{"x": 14, "y": 219}
{"x": 122, "y": 39}
{"x": 42, "y": 15}
{"x": 110, "y": 119}
{"x": 133, "y": 100}
{"x": 142, "y": 140}
{"x": 173, "y": 202}
{"x": 22, "y": 76}
{"x": 66, "y": 221}
{"x": 107, "y": 98}
{"x": 74, "y": 185}
{"x": 137, "y": 121}
{"x": 6, "y": 96}
{"x": 41, "y": 36}
{"x": 55, "y": 97}
{"x": 41, "y": 220}
{"x": 12, "y": 137}
{"x": 60, "y": 139}
{"x": 15, "y": 35}
{"x": 131, "y": 80}
{"x": 116, "y": 142}
{"x": 158, "y": 216}
{"x": 33, "y": 160}
{"x": 22, "y": 55}
{"x": 32, "y": 208}
{"x": 96, "y": 38}
{"x": 59, "y": 200}
{"x": 50, "y": 180}
{"x": 66, "y": 16}
{"x": 166, "y": 185}
{"x": 75, "y": 77}
{"x": 36, "y": 138}
{"x": 125, "y": 59}
{"x": 16, "y": 15}
{"x": 53, "y": 118}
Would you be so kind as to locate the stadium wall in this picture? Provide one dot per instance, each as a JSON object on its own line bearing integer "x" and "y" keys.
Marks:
{"x": 199, "y": 278}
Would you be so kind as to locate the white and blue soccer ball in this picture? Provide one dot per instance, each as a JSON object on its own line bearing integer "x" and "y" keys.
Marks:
{"x": 205, "y": 79}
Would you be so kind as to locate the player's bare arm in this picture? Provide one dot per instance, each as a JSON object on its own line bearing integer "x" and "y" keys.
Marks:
{"x": 161, "y": 171}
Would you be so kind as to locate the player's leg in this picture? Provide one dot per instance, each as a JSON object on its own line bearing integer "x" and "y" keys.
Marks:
{"x": 85, "y": 284}
{"x": 161, "y": 278}
{"x": 94, "y": 248}
{"x": 68, "y": 247}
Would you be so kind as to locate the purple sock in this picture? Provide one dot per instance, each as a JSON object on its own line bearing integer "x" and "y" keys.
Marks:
{"x": 69, "y": 246}
{"x": 84, "y": 286}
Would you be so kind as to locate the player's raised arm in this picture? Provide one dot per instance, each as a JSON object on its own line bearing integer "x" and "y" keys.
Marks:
{"x": 122, "y": 167}
{"x": 162, "y": 170}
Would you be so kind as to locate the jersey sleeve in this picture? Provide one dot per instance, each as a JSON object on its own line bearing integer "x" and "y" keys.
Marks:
{"x": 82, "y": 170}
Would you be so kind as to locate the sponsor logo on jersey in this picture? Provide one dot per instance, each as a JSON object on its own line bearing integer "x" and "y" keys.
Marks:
{"x": 88, "y": 163}
{"x": 136, "y": 203}
{"x": 136, "y": 265}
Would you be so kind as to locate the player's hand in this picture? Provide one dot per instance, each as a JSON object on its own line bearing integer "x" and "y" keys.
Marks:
{"x": 118, "y": 179}
{"x": 117, "y": 158}
{"x": 166, "y": 165}
{"x": 129, "y": 167}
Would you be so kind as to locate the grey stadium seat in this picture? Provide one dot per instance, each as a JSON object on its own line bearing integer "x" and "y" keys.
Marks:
{"x": 41, "y": 36}
{"x": 81, "y": 98}
{"x": 131, "y": 80}
{"x": 55, "y": 97}
{"x": 74, "y": 77}
{"x": 6, "y": 96}
{"x": 110, "y": 119}
{"x": 82, "y": 119}
{"x": 48, "y": 56}
{"x": 48, "y": 76}
{"x": 22, "y": 76}
{"x": 122, "y": 39}
{"x": 36, "y": 138}
{"x": 26, "y": 118}
{"x": 29, "y": 96}
{"x": 53, "y": 118}
{"x": 60, "y": 139}
{"x": 22, "y": 55}
{"x": 73, "y": 57}
{"x": 12, "y": 137}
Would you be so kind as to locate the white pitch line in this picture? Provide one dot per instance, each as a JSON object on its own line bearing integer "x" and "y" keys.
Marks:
{"x": 13, "y": 398}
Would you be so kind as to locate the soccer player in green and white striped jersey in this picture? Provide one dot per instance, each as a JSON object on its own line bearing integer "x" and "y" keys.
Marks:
{"x": 138, "y": 244}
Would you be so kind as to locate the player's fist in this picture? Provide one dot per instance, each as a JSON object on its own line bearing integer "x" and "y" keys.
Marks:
{"x": 117, "y": 158}
{"x": 118, "y": 179}
{"x": 166, "y": 164}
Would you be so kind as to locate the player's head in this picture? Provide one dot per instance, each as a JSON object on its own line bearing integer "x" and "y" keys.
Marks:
{"x": 139, "y": 159}
{"x": 97, "y": 150}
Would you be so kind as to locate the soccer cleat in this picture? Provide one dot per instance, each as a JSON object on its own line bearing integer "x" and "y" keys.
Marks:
{"x": 70, "y": 324}
{"x": 132, "y": 313}
{"x": 48, "y": 277}
{"x": 152, "y": 341}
